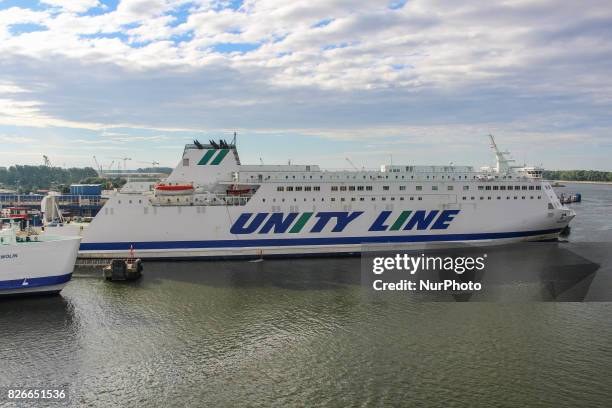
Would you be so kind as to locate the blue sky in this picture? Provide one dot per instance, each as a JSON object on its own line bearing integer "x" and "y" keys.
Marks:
{"x": 418, "y": 82}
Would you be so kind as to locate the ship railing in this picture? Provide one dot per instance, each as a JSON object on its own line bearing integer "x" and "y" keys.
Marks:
{"x": 212, "y": 199}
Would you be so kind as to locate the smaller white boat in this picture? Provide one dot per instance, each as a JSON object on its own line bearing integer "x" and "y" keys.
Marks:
{"x": 35, "y": 264}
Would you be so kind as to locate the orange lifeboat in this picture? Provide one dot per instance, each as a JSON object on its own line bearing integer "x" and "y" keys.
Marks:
{"x": 173, "y": 189}
{"x": 238, "y": 192}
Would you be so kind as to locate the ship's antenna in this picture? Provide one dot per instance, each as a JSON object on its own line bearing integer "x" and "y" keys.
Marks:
{"x": 234, "y": 140}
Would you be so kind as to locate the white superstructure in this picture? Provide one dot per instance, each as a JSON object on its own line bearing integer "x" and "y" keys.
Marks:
{"x": 223, "y": 208}
{"x": 35, "y": 264}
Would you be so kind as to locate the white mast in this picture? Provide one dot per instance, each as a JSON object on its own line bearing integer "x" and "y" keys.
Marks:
{"x": 503, "y": 163}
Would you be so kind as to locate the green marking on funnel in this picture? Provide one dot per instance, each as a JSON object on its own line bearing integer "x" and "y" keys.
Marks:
{"x": 300, "y": 223}
{"x": 400, "y": 221}
{"x": 206, "y": 157}
{"x": 220, "y": 156}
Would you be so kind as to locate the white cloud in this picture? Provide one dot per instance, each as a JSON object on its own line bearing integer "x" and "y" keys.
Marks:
{"x": 73, "y": 6}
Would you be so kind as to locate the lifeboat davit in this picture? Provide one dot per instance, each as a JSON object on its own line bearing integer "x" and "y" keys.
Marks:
{"x": 173, "y": 189}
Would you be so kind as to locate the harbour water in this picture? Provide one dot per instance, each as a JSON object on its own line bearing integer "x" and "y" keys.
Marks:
{"x": 305, "y": 333}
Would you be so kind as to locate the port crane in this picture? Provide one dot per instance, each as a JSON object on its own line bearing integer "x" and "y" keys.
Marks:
{"x": 152, "y": 163}
{"x": 125, "y": 159}
{"x": 46, "y": 160}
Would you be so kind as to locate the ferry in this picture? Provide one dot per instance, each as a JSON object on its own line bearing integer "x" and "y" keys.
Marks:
{"x": 34, "y": 264}
{"x": 213, "y": 206}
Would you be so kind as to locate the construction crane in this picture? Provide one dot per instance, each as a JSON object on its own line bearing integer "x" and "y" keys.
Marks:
{"x": 351, "y": 163}
{"x": 152, "y": 163}
{"x": 125, "y": 159}
{"x": 46, "y": 160}
{"x": 98, "y": 166}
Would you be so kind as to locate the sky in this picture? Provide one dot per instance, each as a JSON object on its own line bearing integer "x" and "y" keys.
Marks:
{"x": 316, "y": 82}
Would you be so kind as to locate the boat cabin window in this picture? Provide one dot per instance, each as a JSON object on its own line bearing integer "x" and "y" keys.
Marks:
{"x": 186, "y": 162}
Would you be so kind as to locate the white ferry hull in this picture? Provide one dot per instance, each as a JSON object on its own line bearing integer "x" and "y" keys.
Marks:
{"x": 206, "y": 232}
{"x": 37, "y": 267}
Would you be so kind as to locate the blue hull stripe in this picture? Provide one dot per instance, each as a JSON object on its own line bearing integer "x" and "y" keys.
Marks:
{"x": 287, "y": 242}
{"x": 35, "y": 282}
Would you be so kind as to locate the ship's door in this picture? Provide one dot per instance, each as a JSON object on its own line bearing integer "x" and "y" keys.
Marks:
{"x": 260, "y": 177}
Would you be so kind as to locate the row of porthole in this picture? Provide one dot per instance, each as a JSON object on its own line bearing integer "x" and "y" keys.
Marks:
{"x": 499, "y": 198}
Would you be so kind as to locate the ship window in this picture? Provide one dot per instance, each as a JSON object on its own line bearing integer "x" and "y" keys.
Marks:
{"x": 384, "y": 198}
{"x": 472, "y": 198}
{"x": 524, "y": 188}
{"x": 298, "y": 188}
{"x": 119, "y": 201}
{"x": 531, "y": 187}
{"x": 495, "y": 188}
{"x": 361, "y": 199}
{"x": 334, "y": 188}
{"x": 466, "y": 188}
{"x": 401, "y": 198}
{"x": 450, "y": 188}
{"x": 489, "y": 197}
{"x": 509, "y": 187}
{"x": 333, "y": 199}
{"x": 420, "y": 198}
{"x": 316, "y": 188}
{"x": 539, "y": 197}
{"x": 402, "y": 188}
{"x": 531, "y": 197}
{"x": 487, "y": 187}
{"x": 307, "y": 188}
{"x": 419, "y": 188}
{"x": 480, "y": 187}
{"x": 464, "y": 198}
{"x": 373, "y": 198}
{"x": 368, "y": 188}
{"x": 502, "y": 187}
{"x": 515, "y": 197}
{"x": 351, "y": 188}
{"x": 434, "y": 188}
{"x": 289, "y": 188}
{"x": 523, "y": 197}
{"x": 507, "y": 197}
{"x": 517, "y": 187}
{"x": 498, "y": 197}
{"x": 482, "y": 198}
{"x": 386, "y": 188}
{"x": 342, "y": 188}
{"x": 538, "y": 187}
{"x": 411, "y": 198}
{"x": 280, "y": 188}
{"x": 352, "y": 198}
{"x": 359, "y": 188}
{"x": 186, "y": 162}
{"x": 392, "y": 198}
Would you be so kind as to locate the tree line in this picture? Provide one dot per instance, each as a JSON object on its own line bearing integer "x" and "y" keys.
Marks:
{"x": 27, "y": 179}
{"x": 578, "y": 175}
